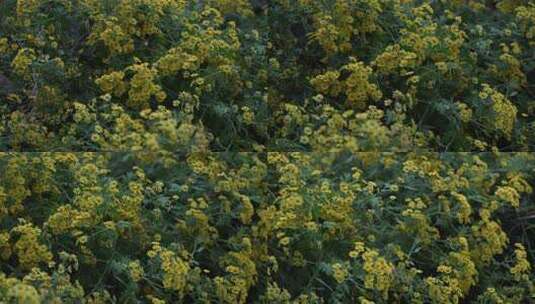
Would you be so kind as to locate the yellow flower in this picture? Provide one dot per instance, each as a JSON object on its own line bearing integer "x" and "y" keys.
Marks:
{"x": 175, "y": 269}
{"x": 142, "y": 86}
{"x": 275, "y": 294}
{"x": 378, "y": 272}
{"x": 248, "y": 115}
{"x": 27, "y": 6}
{"x": 114, "y": 37}
{"x": 136, "y": 270}
{"x": 247, "y": 210}
{"x": 284, "y": 241}
{"x": 5, "y": 246}
{"x": 356, "y": 87}
{"x": 509, "y": 195}
{"x": 340, "y": 272}
{"x": 443, "y": 290}
{"x": 522, "y": 267}
{"x": 442, "y": 67}
{"x": 491, "y": 241}
{"x": 464, "y": 208}
{"x": 465, "y": 113}
{"x": 112, "y": 83}
{"x": 504, "y": 111}
{"x": 4, "y": 45}
{"x": 358, "y": 249}
{"x": 23, "y": 293}
{"x": 444, "y": 269}
{"x": 29, "y": 250}
{"x": 22, "y": 61}
{"x": 242, "y": 7}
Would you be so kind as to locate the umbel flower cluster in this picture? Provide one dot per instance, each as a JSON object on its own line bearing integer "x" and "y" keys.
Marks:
{"x": 267, "y": 151}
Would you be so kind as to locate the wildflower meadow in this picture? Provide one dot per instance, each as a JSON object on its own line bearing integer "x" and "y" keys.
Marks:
{"x": 267, "y": 151}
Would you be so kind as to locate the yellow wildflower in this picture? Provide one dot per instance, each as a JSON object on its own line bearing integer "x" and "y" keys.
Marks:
{"x": 509, "y": 195}
{"x": 340, "y": 272}
{"x": 522, "y": 267}
{"x": 22, "y": 61}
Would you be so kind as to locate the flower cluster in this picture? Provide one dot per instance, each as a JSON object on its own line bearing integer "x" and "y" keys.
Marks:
{"x": 356, "y": 87}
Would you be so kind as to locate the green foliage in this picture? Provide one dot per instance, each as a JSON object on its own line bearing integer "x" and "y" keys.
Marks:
{"x": 266, "y": 227}
{"x": 254, "y": 151}
{"x": 258, "y": 76}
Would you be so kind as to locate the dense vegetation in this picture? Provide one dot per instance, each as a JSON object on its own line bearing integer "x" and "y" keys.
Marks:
{"x": 293, "y": 75}
{"x": 267, "y": 227}
{"x": 255, "y": 151}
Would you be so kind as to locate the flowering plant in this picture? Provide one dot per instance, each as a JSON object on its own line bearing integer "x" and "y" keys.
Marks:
{"x": 238, "y": 227}
{"x": 254, "y": 151}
